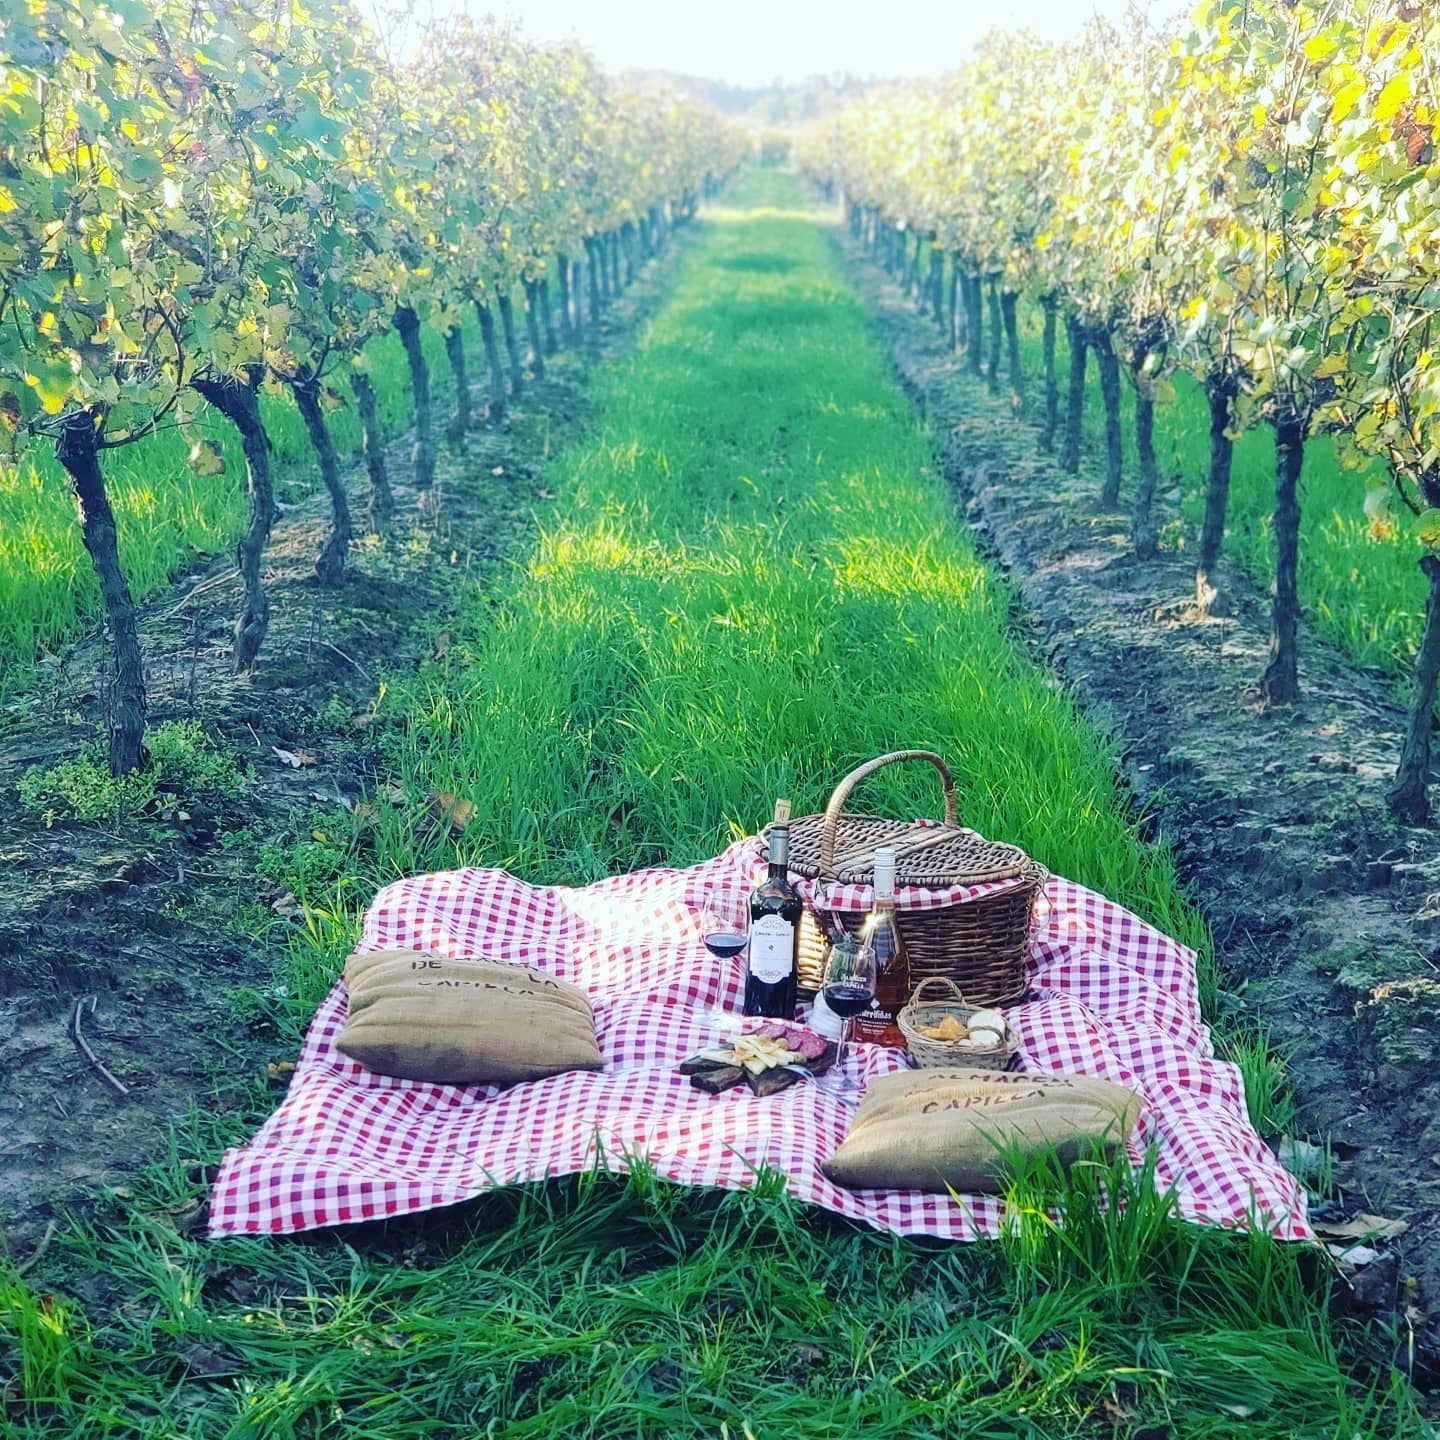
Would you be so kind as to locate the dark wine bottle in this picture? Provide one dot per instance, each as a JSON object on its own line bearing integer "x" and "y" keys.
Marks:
{"x": 775, "y": 911}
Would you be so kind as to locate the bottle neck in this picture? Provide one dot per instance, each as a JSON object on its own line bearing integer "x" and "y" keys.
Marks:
{"x": 884, "y": 879}
{"x": 779, "y": 853}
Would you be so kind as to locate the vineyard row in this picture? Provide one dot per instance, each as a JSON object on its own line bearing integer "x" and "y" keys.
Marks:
{"x": 1254, "y": 201}
{"x": 203, "y": 202}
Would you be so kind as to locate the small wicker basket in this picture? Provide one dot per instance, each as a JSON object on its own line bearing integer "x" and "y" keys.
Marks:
{"x": 929, "y": 1052}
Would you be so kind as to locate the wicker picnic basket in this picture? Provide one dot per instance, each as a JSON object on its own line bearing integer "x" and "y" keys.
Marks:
{"x": 981, "y": 945}
{"x": 948, "y": 1000}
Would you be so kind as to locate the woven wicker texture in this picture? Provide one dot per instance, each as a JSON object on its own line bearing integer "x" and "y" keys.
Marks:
{"x": 932, "y": 1000}
{"x": 980, "y": 944}
{"x": 837, "y": 846}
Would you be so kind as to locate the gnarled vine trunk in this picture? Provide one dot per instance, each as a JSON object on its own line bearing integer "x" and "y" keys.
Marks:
{"x": 372, "y": 445}
{"x": 512, "y": 346}
{"x": 957, "y": 306}
{"x": 627, "y": 245}
{"x": 330, "y": 562}
{"x": 1221, "y": 388}
{"x": 459, "y": 425}
{"x": 593, "y": 267}
{"x": 612, "y": 246}
{"x": 407, "y": 322}
{"x": 547, "y": 318}
{"x": 1079, "y": 346}
{"x": 577, "y": 290}
{"x": 1049, "y": 304}
{"x": 1008, "y": 299}
{"x": 1144, "y": 531}
{"x": 563, "y": 265}
{"x": 1281, "y": 680}
{"x": 1408, "y": 797}
{"x": 974, "y": 324}
{"x": 495, "y": 412}
{"x": 937, "y": 287}
{"x": 1109, "y": 368}
{"x": 599, "y": 264}
{"x": 992, "y": 373}
{"x": 77, "y": 449}
{"x": 238, "y": 401}
{"x": 532, "y": 329}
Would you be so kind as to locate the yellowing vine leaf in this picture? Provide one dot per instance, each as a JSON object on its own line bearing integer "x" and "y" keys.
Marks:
{"x": 1391, "y": 98}
{"x": 205, "y": 458}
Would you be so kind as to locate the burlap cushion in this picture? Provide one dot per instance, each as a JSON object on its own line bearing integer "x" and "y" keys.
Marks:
{"x": 463, "y": 1022}
{"x": 939, "y": 1129}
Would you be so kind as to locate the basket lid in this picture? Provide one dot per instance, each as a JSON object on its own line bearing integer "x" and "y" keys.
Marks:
{"x": 928, "y": 854}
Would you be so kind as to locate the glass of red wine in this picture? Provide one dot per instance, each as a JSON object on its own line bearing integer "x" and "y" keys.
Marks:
{"x": 723, "y": 934}
{"x": 848, "y": 986}
{"x": 725, "y": 944}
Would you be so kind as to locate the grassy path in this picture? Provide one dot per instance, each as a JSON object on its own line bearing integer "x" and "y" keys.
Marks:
{"x": 751, "y": 581}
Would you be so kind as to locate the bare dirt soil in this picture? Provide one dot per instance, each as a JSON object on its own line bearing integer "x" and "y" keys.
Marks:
{"x": 1325, "y": 911}
{"x": 165, "y": 921}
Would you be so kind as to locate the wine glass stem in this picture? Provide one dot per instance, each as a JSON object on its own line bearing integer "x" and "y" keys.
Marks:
{"x": 845, "y": 1025}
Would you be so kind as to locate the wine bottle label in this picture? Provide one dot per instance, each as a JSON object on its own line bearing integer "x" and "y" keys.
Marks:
{"x": 772, "y": 949}
{"x": 877, "y": 1026}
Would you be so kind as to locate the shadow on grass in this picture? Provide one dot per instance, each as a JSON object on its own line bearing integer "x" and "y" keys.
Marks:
{"x": 757, "y": 264}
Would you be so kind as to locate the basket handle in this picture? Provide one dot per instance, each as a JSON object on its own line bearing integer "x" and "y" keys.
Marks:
{"x": 956, "y": 993}
{"x": 842, "y": 793}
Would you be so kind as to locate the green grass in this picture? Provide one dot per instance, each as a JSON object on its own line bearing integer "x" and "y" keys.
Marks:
{"x": 751, "y": 579}
{"x": 616, "y": 1307}
{"x": 166, "y": 516}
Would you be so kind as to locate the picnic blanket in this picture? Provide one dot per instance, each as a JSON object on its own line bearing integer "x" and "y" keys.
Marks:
{"x": 1110, "y": 996}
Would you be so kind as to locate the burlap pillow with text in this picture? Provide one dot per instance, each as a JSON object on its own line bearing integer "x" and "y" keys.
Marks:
{"x": 463, "y": 1022}
{"x": 946, "y": 1129}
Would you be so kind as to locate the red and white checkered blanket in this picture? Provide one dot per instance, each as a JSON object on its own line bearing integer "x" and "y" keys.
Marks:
{"x": 1112, "y": 997}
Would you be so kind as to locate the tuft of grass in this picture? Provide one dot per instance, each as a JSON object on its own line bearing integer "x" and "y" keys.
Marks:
{"x": 751, "y": 581}
{"x": 182, "y": 763}
{"x": 619, "y": 1305}
{"x": 1269, "y": 1096}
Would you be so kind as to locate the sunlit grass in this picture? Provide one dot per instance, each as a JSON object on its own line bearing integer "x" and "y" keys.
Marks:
{"x": 743, "y": 589}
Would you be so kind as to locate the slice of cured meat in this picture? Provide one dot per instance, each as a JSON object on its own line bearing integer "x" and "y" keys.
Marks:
{"x": 809, "y": 1044}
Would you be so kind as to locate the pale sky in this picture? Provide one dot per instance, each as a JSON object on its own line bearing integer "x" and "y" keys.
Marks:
{"x": 751, "y": 42}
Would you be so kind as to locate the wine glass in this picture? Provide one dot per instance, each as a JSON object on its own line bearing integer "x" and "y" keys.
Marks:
{"x": 848, "y": 986}
{"x": 724, "y": 935}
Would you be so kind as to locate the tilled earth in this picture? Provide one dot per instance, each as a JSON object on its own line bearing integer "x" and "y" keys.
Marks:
{"x": 1325, "y": 911}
